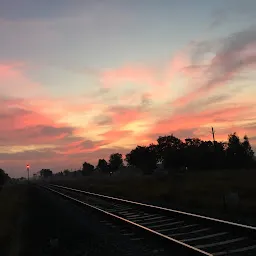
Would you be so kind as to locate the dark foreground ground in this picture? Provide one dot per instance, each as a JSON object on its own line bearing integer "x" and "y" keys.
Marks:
{"x": 45, "y": 224}
{"x": 34, "y": 221}
{"x": 52, "y": 228}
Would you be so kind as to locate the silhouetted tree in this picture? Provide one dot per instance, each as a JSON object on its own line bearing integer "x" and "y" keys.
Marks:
{"x": 248, "y": 152}
{"x": 235, "y": 152}
{"x": 170, "y": 151}
{"x": 115, "y": 161}
{"x": 3, "y": 177}
{"x": 144, "y": 158}
{"x": 194, "y": 154}
{"x": 155, "y": 150}
{"x": 45, "y": 173}
{"x": 87, "y": 168}
{"x": 219, "y": 157}
{"x": 103, "y": 166}
{"x": 59, "y": 174}
{"x": 66, "y": 172}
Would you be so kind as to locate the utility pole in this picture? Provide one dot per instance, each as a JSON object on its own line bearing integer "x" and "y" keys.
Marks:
{"x": 214, "y": 148}
{"x": 213, "y": 135}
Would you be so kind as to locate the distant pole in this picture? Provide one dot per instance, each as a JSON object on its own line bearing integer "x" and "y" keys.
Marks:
{"x": 213, "y": 135}
{"x": 214, "y": 146}
{"x": 28, "y": 171}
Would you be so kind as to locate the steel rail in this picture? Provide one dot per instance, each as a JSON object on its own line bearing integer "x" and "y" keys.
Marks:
{"x": 159, "y": 208}
{"x": 187, "y": 246}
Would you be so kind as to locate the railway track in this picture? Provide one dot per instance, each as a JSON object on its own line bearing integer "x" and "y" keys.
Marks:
{"x": 190, "y": 234}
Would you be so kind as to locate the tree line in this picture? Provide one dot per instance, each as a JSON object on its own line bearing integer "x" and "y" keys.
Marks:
{"x": 174, "y": 154}
{"x": 193, "y": 154}
{"x": 3, "y": 177}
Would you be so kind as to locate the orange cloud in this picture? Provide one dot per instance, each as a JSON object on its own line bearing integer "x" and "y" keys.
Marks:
{"x": 36, "y": 135}
{"x": 208, "y": 117}
{"x": 115, "y": 135}
{"x": 81, "y": 146}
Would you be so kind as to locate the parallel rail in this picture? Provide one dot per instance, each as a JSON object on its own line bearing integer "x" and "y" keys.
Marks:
{"x": 198, "y": 234}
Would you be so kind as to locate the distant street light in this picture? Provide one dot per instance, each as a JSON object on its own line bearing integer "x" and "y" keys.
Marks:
{"x": 28, "y": 171}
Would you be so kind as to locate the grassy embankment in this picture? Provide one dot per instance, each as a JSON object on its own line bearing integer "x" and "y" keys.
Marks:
{"x": 198, "y": 191}
{"x": 13, "y": 201}
{"x": 34, "y": 222}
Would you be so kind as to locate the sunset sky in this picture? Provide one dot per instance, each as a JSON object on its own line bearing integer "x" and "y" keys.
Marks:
{"x": 81, "y": 79}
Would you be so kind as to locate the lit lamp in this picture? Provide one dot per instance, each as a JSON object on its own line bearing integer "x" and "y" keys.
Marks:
{"x": 28, "y": 170}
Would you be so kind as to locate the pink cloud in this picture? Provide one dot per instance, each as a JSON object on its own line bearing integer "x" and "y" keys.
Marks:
{"x": 119, "y": 116}
{"x": 135, "y": 74}
{"x": 157, "y": 78}
{"x": 152, "y": 76}
{"x": 188, "y": 120}
{"x": 28, "y": 126}
{"x": 177, "y": 64}
{"x": 123, "y": 116}
{"x": 13, "y": 79}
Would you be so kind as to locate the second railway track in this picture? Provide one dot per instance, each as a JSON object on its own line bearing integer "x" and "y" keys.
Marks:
{"x": 192, "y": 234}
